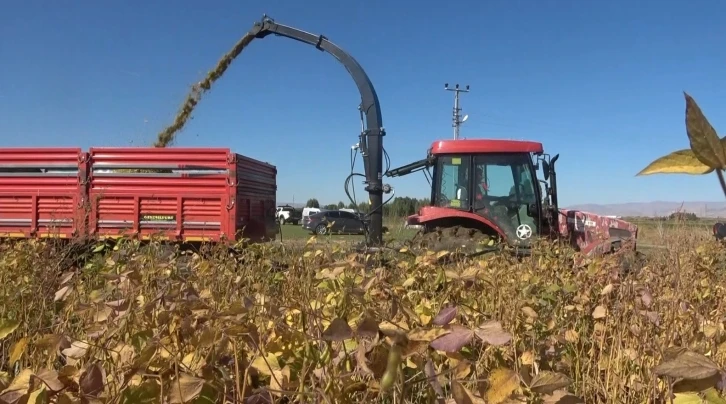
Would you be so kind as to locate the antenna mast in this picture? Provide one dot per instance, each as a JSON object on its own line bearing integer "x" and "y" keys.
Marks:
{"x": 457, "y": 116}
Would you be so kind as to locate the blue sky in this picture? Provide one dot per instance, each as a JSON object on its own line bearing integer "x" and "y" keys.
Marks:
{"x": 599, "y": 82}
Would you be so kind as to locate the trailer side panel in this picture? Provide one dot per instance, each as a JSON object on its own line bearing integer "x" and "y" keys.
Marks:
{"x": 42, "y": 192}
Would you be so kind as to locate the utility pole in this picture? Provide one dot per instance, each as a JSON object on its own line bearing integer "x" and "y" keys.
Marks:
{"x": 457, "y": 116}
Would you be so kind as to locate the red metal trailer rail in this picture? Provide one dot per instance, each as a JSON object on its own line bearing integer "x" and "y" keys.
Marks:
{"x": 179, "y": 194}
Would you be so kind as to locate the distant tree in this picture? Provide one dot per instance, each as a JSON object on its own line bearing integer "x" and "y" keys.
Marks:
{"x": 683, "y": 216}
{"x": 341, "y": 205}
{"x": 312, "y": 203}
{"x": 351, "y": 205}
{"x": 331, "y": 206}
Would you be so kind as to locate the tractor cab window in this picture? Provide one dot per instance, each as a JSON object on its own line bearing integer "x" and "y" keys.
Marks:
{"x": 452, "y": 179}
{"x": 505, "y": 193}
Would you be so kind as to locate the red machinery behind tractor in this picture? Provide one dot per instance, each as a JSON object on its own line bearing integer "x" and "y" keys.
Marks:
{"x": 177, "y": 194}
{"x": 491, "y": 187}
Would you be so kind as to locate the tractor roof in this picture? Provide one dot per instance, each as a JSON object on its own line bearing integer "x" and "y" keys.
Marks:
{"x": 485, "y": 146}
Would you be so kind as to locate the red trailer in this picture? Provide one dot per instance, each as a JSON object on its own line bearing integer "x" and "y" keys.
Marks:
{"x": 177, "y": 194}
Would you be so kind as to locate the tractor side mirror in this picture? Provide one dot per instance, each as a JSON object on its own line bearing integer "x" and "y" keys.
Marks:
{"x": 532, "y": 210}
{"x": 546, "y": 170}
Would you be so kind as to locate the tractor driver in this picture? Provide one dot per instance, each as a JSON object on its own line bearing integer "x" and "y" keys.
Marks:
{"x": 481, "y": 186}
{"x": 499, "y": 212}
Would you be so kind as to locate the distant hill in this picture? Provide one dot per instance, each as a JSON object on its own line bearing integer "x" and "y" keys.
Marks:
{"x": 658, "y": 208}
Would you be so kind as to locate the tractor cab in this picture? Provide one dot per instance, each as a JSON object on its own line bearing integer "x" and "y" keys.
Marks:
{"x": 489, "y": 185}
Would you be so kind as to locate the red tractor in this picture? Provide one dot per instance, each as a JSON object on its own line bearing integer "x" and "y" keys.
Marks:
{"x": 484, "y": 189}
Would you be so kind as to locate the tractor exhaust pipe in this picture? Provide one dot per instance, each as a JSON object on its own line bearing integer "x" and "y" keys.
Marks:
{"x": 553, "y": 182}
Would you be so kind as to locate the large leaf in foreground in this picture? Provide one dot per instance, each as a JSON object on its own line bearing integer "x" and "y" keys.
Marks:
{"x": 678, "y": 162}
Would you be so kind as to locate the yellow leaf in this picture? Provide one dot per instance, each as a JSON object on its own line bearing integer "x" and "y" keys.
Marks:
{"x": 503, "y": 382}
{"x": 17, "y": 350}
{"x": 678, "y": 162}
{"x": 39, "y": 396}
{"x": 607, "y": 289}
{"x": 266, "y": 365}
{"x": 462, "y": 370}
{"x": 19, "y": 386}
{"x": 529, "y": 312}
{"x": 571, "y": 336}
{"x": 599, "y": 312}
{"x": 194, "y": 362}
{"x": 706, "y": 145}
{"x": 527, "y": 358}
{"x": 427, "y": 335}
{"x": 409, "y": 282}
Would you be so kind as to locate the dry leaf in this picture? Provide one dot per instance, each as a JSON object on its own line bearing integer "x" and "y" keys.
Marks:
{"x": 427, "y": 334}
{"x": 338, "y": 330}
{"x": 368, "y": 327}
{"x": 546, "y": 382}
{"x": 529, "y": 312}
{"x": 18, "y": 349}
{"x": 502, "y": 383}
{"x": 678, "y": 162}
{"x": 92, "y": 380}
{"x": 185, "y": 389}
{"x": 703, "y": 138}
{"x": 599, "y": 312}
{"x": 62, "y": 293}
{"x": 688, "y": 365}
{"x": 462, "y": 395}
{"x": 453, "y": 341}
{"x": 445, "y": 316}
{"x": 607, "y": 289}
{"x": 432, "y": 378}
{"x": 492, "y": 333}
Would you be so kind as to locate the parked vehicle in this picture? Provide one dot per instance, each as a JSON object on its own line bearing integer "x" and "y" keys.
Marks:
{"x": 288, "y": 214}
{"x": 177, "y": 194}
{"x": 306, "y": 212}
{"x": 334, "y": 222}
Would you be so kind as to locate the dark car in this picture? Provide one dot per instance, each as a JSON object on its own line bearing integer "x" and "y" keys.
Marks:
{"x": 335, "y": 222}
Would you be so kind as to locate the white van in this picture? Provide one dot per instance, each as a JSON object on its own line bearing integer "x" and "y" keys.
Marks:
{"x": 309, "y": 211}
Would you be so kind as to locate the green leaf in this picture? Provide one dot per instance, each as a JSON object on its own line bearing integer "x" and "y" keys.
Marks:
{"x": 678, "y": 162}
{"x": 7, "y": 327}
{"x": 704, "y": 141}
